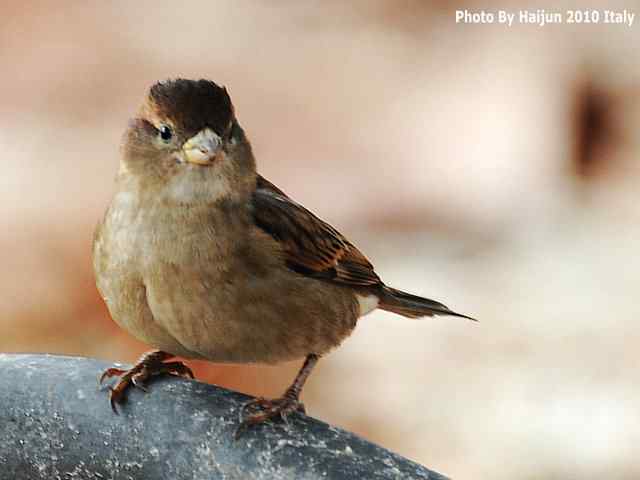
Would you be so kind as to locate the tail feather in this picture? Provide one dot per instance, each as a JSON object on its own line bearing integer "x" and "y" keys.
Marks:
{"x": 413, "y": 306}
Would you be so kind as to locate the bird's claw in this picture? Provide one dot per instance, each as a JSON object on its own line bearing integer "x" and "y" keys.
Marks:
{"x": 110, "y": 372}
{"x": 260, "y": 410}
{"x": 138, "y": 375}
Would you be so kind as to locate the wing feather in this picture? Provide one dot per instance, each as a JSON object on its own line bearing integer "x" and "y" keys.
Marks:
{"x": 312, "y": 246}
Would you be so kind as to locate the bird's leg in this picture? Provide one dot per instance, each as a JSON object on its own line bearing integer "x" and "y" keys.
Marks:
{"x": 150, "y": 364}
{"x": 260, "y": 410}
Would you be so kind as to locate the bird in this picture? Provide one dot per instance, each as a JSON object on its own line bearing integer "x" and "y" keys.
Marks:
{"x": 201, "y": 257}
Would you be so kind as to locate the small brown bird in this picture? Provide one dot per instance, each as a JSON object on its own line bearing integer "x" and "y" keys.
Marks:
{"x": 203, "y": 258}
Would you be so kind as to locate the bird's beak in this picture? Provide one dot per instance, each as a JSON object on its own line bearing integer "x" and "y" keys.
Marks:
{"x": 202, "y": 148}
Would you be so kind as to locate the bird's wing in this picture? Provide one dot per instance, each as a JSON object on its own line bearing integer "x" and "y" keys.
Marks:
{"x": 312, "y": 247}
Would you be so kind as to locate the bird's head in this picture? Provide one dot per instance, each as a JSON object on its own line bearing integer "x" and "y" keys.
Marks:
{"x": 186, "y": 140}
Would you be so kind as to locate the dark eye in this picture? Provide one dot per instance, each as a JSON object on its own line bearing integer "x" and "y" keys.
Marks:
{"x": 165, "y": 133}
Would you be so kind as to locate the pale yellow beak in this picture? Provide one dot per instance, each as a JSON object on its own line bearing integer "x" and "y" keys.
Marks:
{"x": 202, "y": 148}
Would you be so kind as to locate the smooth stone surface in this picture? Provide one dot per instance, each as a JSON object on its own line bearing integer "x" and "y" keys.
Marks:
{"x": 56, "y": 424}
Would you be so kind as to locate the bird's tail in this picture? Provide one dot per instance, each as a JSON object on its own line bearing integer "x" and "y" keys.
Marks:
{"x": 413, "y": 306}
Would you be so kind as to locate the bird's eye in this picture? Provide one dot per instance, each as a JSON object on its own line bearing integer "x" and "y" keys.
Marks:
{"x": 165, "y": 133}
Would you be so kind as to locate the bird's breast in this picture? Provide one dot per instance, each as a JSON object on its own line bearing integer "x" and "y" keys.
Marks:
{"x": 213, "y": 287}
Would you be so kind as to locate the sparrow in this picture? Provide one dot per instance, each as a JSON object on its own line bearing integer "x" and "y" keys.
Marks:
{"x": 203, "y": 258}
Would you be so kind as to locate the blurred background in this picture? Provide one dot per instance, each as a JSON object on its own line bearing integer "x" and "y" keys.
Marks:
{"x": 492, "y": 168}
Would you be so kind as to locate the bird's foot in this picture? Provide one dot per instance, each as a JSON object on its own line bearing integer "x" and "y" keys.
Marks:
{"x": 149, "y": 365}
{"x": 260, "y": 410}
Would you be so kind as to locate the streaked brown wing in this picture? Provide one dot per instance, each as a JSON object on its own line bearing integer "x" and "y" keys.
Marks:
{"x": 312, "y": 246}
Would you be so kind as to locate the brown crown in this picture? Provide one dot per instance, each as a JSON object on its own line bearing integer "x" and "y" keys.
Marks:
{"x": 193, "y": 104}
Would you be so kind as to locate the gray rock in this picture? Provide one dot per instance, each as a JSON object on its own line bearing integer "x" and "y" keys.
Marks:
{"x": 56, "y": 424}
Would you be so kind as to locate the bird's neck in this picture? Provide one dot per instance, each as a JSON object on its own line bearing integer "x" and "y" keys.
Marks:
{"x": 191, "y": 187}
